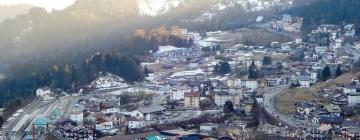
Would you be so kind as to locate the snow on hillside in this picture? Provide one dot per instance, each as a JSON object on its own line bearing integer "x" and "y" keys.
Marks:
{"x": 157, "y": 7}
{"x": 108, "y": 81}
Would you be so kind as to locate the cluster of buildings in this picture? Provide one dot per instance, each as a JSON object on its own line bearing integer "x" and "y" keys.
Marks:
{"x": 287, "y": 23}
{"x": 184, "y": 87}
{"x": 335, "y": 47}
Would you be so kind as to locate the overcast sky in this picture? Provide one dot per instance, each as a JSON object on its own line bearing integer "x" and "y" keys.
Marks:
{"x": 47, "y": 4}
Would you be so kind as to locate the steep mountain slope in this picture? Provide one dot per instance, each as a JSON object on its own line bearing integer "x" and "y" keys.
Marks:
{"x": 12, "y": 11}
{"x": 84, "y": 27}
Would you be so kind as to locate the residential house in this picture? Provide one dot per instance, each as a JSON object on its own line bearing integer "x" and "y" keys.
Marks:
{"x": 192, "y": 100}
{"x": 148, "y": 113}
{"x": 314, "y": 76}
{"x": 351, "y": 133}
{"x": 209, "y": 128}
{"x": 102, "y": 124}
{"x": 303, "y": 109}
{"x": 178, "y": 93}
{"x": 45, "y": 93}
{"x": 347, "y": 89}
{"x": 273, "y": 81}
{"x": 349, "y": 30}
{"x": 350, "y": 129}
{"x": 77, "y": 116}
{"x": 111, "y": 110}
{"x": 221, "y": 97}
{"x": 304, "y": 81}
{"x": 117, "y": 118}
{"x": 133, "y": 123}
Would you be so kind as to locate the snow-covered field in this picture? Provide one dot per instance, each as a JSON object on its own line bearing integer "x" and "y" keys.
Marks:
{"x": 187, "y": 73}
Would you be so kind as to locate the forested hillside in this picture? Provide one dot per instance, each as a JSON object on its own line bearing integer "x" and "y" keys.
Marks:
{"x": 69, "y": 48}
{"x": 338, "y": 12}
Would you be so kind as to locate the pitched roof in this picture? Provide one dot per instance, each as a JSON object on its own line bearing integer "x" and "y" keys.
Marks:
{"x": 331, "y": 108}
{"x": 304, "y": 78}
{"x": 151, "y": 109}
{"x": 302, "y": 104}
{"x": 330, "y": 119}
{"x": 41, "y": 121}
{"x": 132, "y": 119}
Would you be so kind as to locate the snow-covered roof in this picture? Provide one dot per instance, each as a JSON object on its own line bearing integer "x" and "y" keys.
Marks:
{"x": 167, "y": 48}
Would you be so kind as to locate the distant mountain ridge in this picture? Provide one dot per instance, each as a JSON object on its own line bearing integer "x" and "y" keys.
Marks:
{"x": 80, "y": 29}
{"x": 11, "y": 11}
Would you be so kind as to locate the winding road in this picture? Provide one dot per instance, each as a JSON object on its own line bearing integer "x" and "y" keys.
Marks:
{"x": 269, "y": 103}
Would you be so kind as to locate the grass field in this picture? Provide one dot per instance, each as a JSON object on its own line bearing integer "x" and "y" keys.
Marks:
{"x": 285, "y": 101}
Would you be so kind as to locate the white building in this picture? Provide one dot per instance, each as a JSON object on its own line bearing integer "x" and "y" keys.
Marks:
{"x": 111, "y": 110}
{"x": 285, "y": 47}
{"x": 304, "y": 81}
{"x": 134, "y": 123}
{"x": 221, "y": 98}
{"x": 45, "y": 93}
{"x": 338, "y": 43}
{"x": 252, "y": 84}
{"x": 313, "y": 75}
{"x": 349, "y": 30}
{"x": 77, "y": 116}
{"x": 353, "y": 99}
{"x": 298, "y": 41}
{"x": 349, "y": 89}
{"x": 179, "y": 93}
{"x": 257, "y": 63}
{"x": 105, "y": 125}
{"x": 147, "y": 113}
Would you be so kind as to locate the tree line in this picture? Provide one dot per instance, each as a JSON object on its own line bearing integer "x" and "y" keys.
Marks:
{"x": 337, "y": 12}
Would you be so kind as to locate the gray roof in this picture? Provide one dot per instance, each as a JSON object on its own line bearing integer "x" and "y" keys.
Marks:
{"x": 151, "y": 109}
{"x": 353, "y": 130}
{"x": 303, "y": 104}
{"x": 304, "y": 78}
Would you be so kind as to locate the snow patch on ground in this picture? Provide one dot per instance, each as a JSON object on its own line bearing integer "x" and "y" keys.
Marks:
{"x": 108, "y": 81}
{"x": 188, "y": 73}
{"x": 168, "y": 48}
{"x": 157, "y": 7}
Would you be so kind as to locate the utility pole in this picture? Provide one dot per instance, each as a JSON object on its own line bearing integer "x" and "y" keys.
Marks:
{"x": 33, "y": 132}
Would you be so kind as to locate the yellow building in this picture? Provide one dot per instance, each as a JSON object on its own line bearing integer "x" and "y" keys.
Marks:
{"x": 192, "y": 100}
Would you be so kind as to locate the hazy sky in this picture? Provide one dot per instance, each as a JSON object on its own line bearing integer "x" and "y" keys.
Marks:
{"x": 47, "y": 4}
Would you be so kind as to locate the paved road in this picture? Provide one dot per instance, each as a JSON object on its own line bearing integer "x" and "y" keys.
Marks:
{"x": 269, "y": 102}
